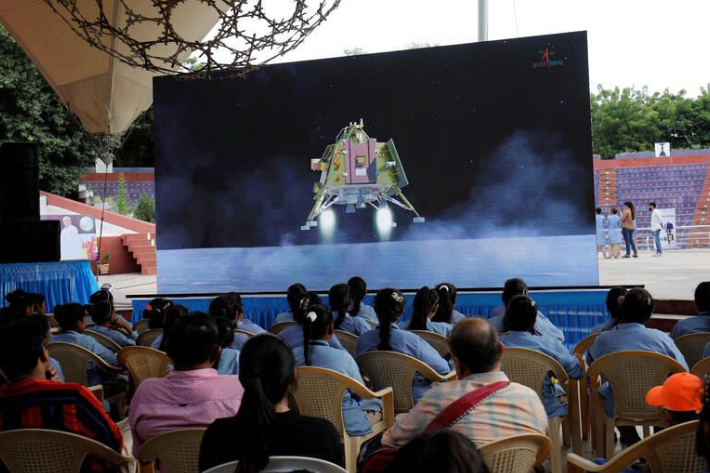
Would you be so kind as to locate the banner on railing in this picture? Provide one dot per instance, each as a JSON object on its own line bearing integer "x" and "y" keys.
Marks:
{"x": 668, "y": 236}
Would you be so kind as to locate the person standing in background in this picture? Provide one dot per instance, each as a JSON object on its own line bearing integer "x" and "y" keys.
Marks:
{"x": 601, "y": 235}
{"x": 657, "y": 225}
{"x": 628, "y": 227}
{"x": 615, "y": 237}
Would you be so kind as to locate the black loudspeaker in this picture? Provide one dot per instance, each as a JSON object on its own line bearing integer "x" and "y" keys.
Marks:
{"x": 29, "y": 241}
{"x": 19, "y": 181}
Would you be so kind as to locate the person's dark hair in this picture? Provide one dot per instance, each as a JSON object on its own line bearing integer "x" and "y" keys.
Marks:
{"x": 614, "y": 210}
{"x": 637, "y": 306}
{"x": 37, "y": 300}
{"x": 632, "y": 208}
{"x": 340, "y": 301}
{"x": 513, "y": 287}
{"x": 474, "y": 342}
{"x": 225, "y": 332}
{"x": 21, "y": 344}
{"x": 612, "y": 302}
{"x": 307, "y": 299}
{"x": 8, "y": 315}
{"x": 155, "y": 312}
{"x": 69, "y": 315}
{"x": 652, "y": 204}
{"x": 315, "y": 325}
{"x": 293, "y": 296}
{"x": 681, "y": 417}
{"x": 447, "y": 302}
{"x": 172, "y": 313}
{"x": 19, "y": 301}
{"x": 41, "y": 321}
{"x": 100, "y": 306}
{"x": 358, "y": 291}
{"x": 702, "y": 441}
{"x": 444, "y": 451}
{"x": 266, "y": 370}
{"x": 702, "y": 297}
{"x": 193, "y": 340}
{"x": 389, "y": 306}
{"x": 599, "y": 210}
{"x": 520, "y": 315}
{"x": 424, "y": 301}
{"x": 227, "y": 305}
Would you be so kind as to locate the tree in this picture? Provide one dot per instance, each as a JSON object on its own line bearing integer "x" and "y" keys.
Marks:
{"x": 145, "y": 209}
{"x": 121, "y": 200}
{"x": 31, "y": 111}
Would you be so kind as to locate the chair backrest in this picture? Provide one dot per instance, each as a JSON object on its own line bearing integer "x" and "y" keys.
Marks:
{"x": 147, "y": 338}
{"x": 701, "y": 368}
{"x": 178, "y": 450}
{"x": 244, "y": 332}
{"x": 395, "y": 370}
{"x": 517, "y": 454}
{"x": 319, "y": 393}
{"x": 347, "y": 340}
{"x": 74, "y": 361}
{"x": 530, "y": 367}
{"x": 692, "y": 346}
{"x": 141, "y": 326}
{"x": 584, "y": 345}
{"x": 280, "y": 326}
{"x": 143, "y": 363}
{"x": 104, "y": 340}
{"x": 631, "y": 375}
{"x": 52, "y": 451}
{"x": 286, "y": 464}
{"x": 439, "y": 342}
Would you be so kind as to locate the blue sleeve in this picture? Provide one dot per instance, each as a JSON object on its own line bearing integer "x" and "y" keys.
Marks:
{"x": 335, "y": 343}
{"x": 677, "y": 330}
{"x": 361, "y": 326}
{"x": 675, "y": 353}
{"x": 497, "y": 322}
{"x": 58, "y": 369}
{"x": 431, "y": 357}
{"x": 551, "y": 328}
{"x": 104, "y": 353}
{"x": 570, "y": 363}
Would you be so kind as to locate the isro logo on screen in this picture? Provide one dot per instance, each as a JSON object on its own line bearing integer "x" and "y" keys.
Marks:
{"x": 547, "y": 59}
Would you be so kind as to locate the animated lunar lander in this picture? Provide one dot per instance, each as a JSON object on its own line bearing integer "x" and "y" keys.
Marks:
{"x": 357, "y": 171}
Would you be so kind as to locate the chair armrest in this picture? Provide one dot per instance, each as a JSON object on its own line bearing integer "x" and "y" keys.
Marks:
{"x": 97, "y": 391}
{"x": 108, "y": 368}
{"x": 437, "y": 378}
{"x": 617, "y": 463}
{"x": 577, "y": 464}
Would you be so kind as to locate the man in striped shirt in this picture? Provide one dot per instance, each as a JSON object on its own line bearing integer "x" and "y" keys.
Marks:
{"x": 31, "y": 399}
{"x": 513, "y": 410}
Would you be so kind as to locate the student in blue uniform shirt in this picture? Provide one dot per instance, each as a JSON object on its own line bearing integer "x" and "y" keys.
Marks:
{"x": 318, "y": 329}
{"x": 614, "y": 299}
{"x": 543, "y": 326}
{"x": 424, "y": 308}
{"x": 107, "y": 322}
{"x": 341, "y": 303}
{"x": 631, "y": 334}
{"x": 71, "y": 323}
{"x": 447, "y": 312}
{"x": 389, "y": 307}
{"x": 294, "y": 335}
{"x": 520, "y": 318}
{"x": 358, "y": 291}
{"x": 701, "y": 322}
{"x": 228, "y": 362}
{"x": 601, "y": 234}
{"x": 154, "y": 312}
{"x": 230, "y": 306}
{"x": 172, "y": 313}
{"x": 294, "y": 294}
{"x": 615, "y": 234}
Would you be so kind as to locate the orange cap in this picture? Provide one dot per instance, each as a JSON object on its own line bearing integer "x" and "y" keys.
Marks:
{"x": 682, "y": 392}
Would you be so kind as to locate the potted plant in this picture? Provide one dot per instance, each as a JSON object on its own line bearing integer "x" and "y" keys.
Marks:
{"x": 103, "y": 263}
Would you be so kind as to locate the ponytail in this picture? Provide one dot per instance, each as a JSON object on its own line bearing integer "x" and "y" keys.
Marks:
{"x": 389, "y": 306}
{"x": 358, "y": 291}
{"x": 257, "y": 412}
{"x": 424, "y": 302}
{"x": 306, "y": 300}
{"x": 340, "y": 301}
{"x": 293, "y": 296}
{"x": 447, "y": 302}
{"x": 315, "y": 327}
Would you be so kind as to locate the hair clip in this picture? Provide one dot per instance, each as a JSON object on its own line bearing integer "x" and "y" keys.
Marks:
{"x": 149, "y": 308}
{"x": 444, "y": 287}
{"x": 397, "y": 297}
{"x": 311, "y": 316}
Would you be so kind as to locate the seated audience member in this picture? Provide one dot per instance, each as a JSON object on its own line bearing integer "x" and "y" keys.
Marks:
{"x": 614, "y": 299}
{"x": 701, "y": 322}
{"x": 31, "y": 400}
{"x": 681, "y": 398}
{"x": 20, "y": 304}
{"x": 294, "y": 294}
{"x": 318, "y": 330}
{"x": 631, "y": 334}
{"x": 155, "y": 312}
{"x": 172, "y": 313}
{"x": 341, "y": 303}
{"x": 358, "y": 291}
{"x": 230, "y": 306}
{"x": 39, "y": 304}
{"x": 265, "y": 426}
{"x": 193, "y": 394}
{"x": 424, "y": 308}
{"x": 71, "y": 323}
{"x": 512, "y": 409}
{"x": 543, "y": 325}
{"x": 443, "y": 451}
{"x": 228, "y": 362}
{"x": 447, "y": 312}
{"x": 294, "y": 335}
{"x": 520, "y": 321}
{"x": 107, "y": 322}
{"x": 389, "y": 307}
{"x": 55, "y": 368}
{"x": 702, "y": 438}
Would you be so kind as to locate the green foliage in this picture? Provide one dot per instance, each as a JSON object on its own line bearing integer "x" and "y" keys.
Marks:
{"x": 105, "y": 258}
{"x": 122, "y": 200}
{"x": 137, "y": 149}
{"x": 145, "y": 209}
{"x": 31, "y": 111}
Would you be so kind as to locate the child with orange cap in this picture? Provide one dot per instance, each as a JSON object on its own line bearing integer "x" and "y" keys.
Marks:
{"x": 681, "y": 398}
